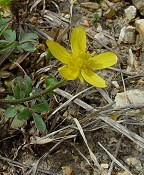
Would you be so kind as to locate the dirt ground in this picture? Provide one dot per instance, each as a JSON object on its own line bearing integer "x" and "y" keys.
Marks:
{"x": 109, "y": 138}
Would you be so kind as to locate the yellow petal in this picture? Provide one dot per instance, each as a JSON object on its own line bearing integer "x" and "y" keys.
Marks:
{"x": 102, "y": 60}
{"x": 59, "y": 51}
{"x": 78, "y": 41}
{"x": 93, "y": 78}
{"x": 67, "y": 73}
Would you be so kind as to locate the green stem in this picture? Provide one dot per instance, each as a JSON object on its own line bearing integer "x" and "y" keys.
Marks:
{"x": 47, "y": 90}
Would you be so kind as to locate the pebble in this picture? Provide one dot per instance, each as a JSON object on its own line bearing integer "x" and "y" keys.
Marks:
{"x": 100, "y": 37}
{"x": 134, "y": 96}
{"x": 127, "y": 35}
{"x": 139, "y": 4}
{"x": 140, "y": 26}
{"x": 33, "y": 20}
{"x": 130, "y": 13}
{"x": 105, "y": 165}
{"x": 24, "y": 14}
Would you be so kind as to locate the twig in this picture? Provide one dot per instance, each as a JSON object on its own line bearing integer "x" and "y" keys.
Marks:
{"x": 17, "y": 164}
{"x": 34, "y": 168}
{"x": 116, "y": 153}
{"x": 128, "y": 133}
{"x": 66, "y": 103}
{"x": 115, "y": 160}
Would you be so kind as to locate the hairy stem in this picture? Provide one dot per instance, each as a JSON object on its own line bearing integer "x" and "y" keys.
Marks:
{"x": 44, "y": 92}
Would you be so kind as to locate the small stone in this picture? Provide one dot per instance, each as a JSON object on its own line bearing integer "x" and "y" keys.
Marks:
{"x": 130, "y": 13}
{"x": 101, "y": 38}
{"x": 86, "y": 23}
{"x": 33, "y": 20}
{"x": 67, "y": 16}
{"x": 127, "y": 35}
{"x": 134, "y": 96}
{"x": 24, "y": 14}
{"x": 105, "y": 165}
{"x": 140, "y": 26}
{"x": 135, "y": 162}
{"x": 139, "y": 4}
{"x": 109, "y": 13}
{"x": 115, "y": 83}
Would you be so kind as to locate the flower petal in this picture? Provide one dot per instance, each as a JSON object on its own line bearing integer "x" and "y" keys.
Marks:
{"x": 102, "y": 60}
{"x": 67, "y": 73}
{"x": 92, "y": 78}
{"x": 78, "y": 41}
{"x": 59, "y": 51}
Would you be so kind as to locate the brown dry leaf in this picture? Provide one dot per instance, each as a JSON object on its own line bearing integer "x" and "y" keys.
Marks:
{"x": 90, "y": 5}
{"x": 115, "y": 116}
{"x": 67, "y": 170}
{"x": 41, "y": 141}
{"x": 123, "y": 173}
{"x": 4, "y": 74}
{"x": 20, "y": 59}
{"x": 33, "y": 20}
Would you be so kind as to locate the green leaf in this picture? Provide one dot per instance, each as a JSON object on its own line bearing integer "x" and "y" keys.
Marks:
{"x": 43, "y": 107}
{"x": 9, "y": 46}
{"x": 28, "y": 85}
{"x": 29, "y": 47}
{"x": 16, "y": 123}
{"x": 17, "y": 92}
{"x": 4, "y": 21}
{"x": 48, "y": 55}
{"x": 50, "y": 81}
{"x": 19, "y": 81}
{"x": 24, "y": 115}
{"x": 10, "y": 112}
{"x": 28, "y": 37}
{"x": 20, "y": 108}
{"x": 9, "y": 35}
{"x": 40, "y": 124}
{"x": 10, "y": 98}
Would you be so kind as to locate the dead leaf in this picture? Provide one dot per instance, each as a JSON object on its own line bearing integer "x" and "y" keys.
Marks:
{"x": 67, "y": 170}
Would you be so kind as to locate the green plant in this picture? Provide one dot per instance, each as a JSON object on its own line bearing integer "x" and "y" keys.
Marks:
{"x": 29, "y": 102}
{"x": 20, "y": 113}
{"x": 8, "y": 39}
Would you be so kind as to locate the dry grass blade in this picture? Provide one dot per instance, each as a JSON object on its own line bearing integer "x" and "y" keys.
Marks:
{"x": 115, "y": 160}
{"x": 83, "y": 156}
{"x": 35, "y": 4}
{"x": 20, "y": 165}
{"x": 50, "y": 137}
{"x": 67, "y": 102}
{"x": 93, "y": 157}
{"x": 77, "y": 101}
{"x": 131, "y": 135}
{"x": 105, "y": 95}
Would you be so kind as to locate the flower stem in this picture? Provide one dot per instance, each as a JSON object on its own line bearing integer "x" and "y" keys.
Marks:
{"x": 44, "y": 92}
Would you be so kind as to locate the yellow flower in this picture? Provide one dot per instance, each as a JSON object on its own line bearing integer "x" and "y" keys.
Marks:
{"x": 80, "y": 63}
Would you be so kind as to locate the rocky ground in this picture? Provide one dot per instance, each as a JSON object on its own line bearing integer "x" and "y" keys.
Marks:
{"x": 101, "y": 131}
